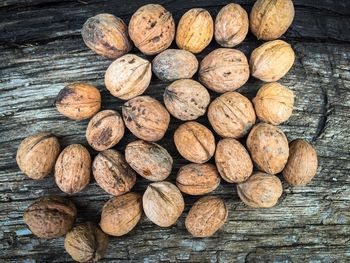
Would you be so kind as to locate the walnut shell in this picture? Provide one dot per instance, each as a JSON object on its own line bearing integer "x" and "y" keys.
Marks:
{"x": 163, "y": 203}
{"x": 198, "y": 179}
{"x": 78, "y": 101}
{"x": 271, "y": 61}
{"x": 121, "y": 214}
{"x": 195, "y": 142}
{"x": 231, "y": 115}
{"x": 224, "y": 70}
{"x": 206, "y": 216}
{"x": 86, "y": 242}
{"x": 149, "y": 160}
{"x": 106, "y": 35}
{"x": 73, "y": 169}
{"x": 270, "y": 19}
{"x": 50, "y": 216}
{"x": 37, "y": 155}
{"x": 260, "y": 190}
{"x": 112, "y": 173}
{"x": 268, "y": 147}
{"x": 233, "y": 161}
{"x": 231, "y": 25}
{"x": 302, "y": 163}
{"x": 146, "y": 118}
{"x": 186, "y": 99}
{"x": 128, "y": 76}
{"x": 152, "y": 29}
{"x": 173, "y": 64}
{"x": 195, "y": 30}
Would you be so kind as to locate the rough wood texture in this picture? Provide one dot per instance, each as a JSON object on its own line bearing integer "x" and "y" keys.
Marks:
{"x": 41, "y": 51}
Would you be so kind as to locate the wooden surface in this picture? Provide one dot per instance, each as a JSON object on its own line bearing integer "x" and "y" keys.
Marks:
{"x": 41, "y": 50}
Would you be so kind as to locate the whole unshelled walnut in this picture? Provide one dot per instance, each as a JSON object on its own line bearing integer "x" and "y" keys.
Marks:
{"x": 186, "y": 99}
{"x": 206, "y": 216}
{"x": 231, "y": 115}
{"x": 128, "y": 76}
{"x": 260, "y": 190}
{"x": 302, "y": 163}
{"x": 224, "y": 70}
{"x": 274, "y": 103}
{"x": 146, "y": 118}
{"x": 106, "y": 35}
{"x": 78, "y": 101}
{"x": 86, "y": 242}
{"x": 163, "y": 203}
{"x": 149, "y": 160}
{"x": 152, "y": 29}
{"x": 37, "y": 155}
{"x": 72, "y": 169}
{"x": 272, "y": 60}
{"x": 50, "y": 216}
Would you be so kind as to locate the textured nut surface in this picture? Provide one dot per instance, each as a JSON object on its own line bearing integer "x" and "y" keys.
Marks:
{"x": 186, "y": 99}
{"x": 112, "y": 173}
{"x": 149, "y": 160}
{"x": 173, "y": 64}
{"x": 121, "y": 214}
{"x": 50, "y": 216}
{"x": 195, "y": 30}
{"x": 152, "y": 29}
{"x": 128, "y": 76}
{"x": 260, "y": 190}
{"x": 37, "y": 155}
{"x": 231, "y": 115}
{"x": 274, "y": 103}
{"x": 233, "y": 161}
{"x": 268, "y": 147}
{"x": 302, "y": 163}
{"x": 163, "y": 203}
{"x": 231, "y": 25}
{"x": 198, "y": 179}
{"x": 146, "y": 118}
{"x": 224, "y": 70}
{"x": 106, "y": 35}
{"x": 271, "y": 61}
{"x": 73, "y": 169}
{"x": 195, "y": 142}
{"x": 270, "y": 19}
{"x": 206, "y": 216}
{"x": 86, "y": 242}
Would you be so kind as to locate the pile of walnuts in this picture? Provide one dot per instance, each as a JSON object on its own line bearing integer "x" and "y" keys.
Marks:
{"x": 232, "y": 116}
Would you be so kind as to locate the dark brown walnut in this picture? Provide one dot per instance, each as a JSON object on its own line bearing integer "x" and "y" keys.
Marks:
{"x": 198, "y": 179}
{"x": 233, "y": 161}
{"x": 231, "y": 115}
{"x": 112, "y": 173}
{"x": 302, "y": 163}
{"x": 37, "y": 155}
{"x": 86, "y": 242}
{"x": 106, "y": 35}
{"x": 152, "y": 29}
{"x": 149, "y": 160}
{"x": 121, "y": 214}
{"x": 73, "y": 169}
{"x": 268, "y": 147}
{"x": 206, "y": 216}
{"x": 195, "y": 142}
{"x": 105, "y": 130}
{"x": 186, "y": 99}
{"x": 146, "y": 118}
{"x": 78, "y": 101}
{"x": 163, "y": 203}
{"x": 50, "y": 216}
{"x": 260, "y": 190}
